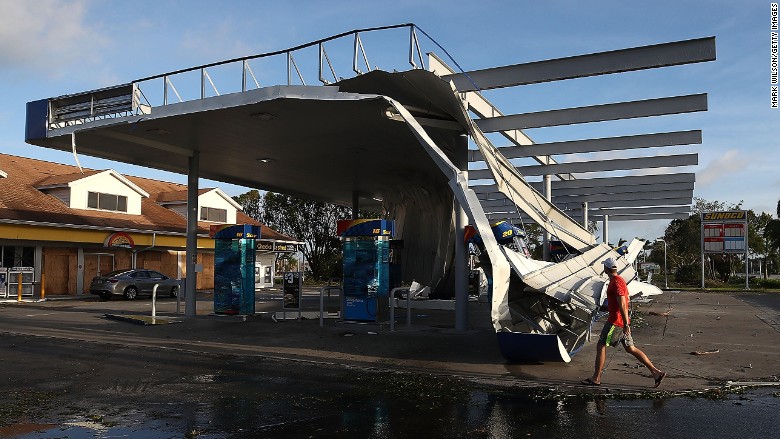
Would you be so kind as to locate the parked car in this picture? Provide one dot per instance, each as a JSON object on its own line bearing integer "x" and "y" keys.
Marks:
{"x": 132, "y": 282}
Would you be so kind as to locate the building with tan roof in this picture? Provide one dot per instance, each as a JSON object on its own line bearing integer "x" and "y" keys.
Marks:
{"x": 69, "y": 225}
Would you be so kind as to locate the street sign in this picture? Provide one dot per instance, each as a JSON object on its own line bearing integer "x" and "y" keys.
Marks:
{"x": 649, "y": 266}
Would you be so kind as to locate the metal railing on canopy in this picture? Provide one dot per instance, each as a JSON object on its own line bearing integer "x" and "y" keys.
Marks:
{"x": 326, "y": 61}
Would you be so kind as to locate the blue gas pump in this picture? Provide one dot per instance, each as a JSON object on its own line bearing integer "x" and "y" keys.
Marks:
{"x": 366, "y": 253}
{"x": 234, "y": 268}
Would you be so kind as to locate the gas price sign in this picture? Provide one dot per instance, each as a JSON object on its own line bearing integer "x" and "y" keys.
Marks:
{"x": 724, "y": 232}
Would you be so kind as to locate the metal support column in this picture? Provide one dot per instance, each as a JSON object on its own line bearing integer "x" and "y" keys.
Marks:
{"x": 38, "y": 264}
{"x": 80, "y": 271}
{"x": 701, "y": 242}
{"x": 461, "y": 249}
{"x": 747, "y": 258}
{"x": 192, "y": 234}
{"x": 585, "y": 214}
{"x": 546, "y": 236}
{"x": 605, "y": 235}
{"x": 702, "y": 270}
{"x": 355, "y": 204}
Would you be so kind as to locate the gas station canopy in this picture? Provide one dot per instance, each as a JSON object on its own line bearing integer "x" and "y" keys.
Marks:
{"x": 339, "y": 142}
{"x": 316, "y": 142}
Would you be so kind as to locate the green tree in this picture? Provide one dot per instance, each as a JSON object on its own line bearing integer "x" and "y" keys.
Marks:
{"x": 314, "y": 223}
{"x": 756, "y": 232}
{"x": 533, "y": 239}
{"x": 772, "y": 232}
{"x": 682, "y": 248}
{"x": 757, "y": 239}
{"x": 251, "y": 203}
{"x": 772, "y": 237}
{"x": 701, "y": 205}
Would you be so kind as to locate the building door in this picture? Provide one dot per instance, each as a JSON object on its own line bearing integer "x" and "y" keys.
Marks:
{"x": 57, "y": 274}
{"x": 264, "y": 270}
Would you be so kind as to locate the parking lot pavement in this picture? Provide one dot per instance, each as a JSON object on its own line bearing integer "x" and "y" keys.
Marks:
{"x": 700, "y": 339}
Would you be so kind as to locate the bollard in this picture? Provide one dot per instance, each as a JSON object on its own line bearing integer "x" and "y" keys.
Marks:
{"x": 19, "y": 289}
{"x": 392, "y": 307}
{"x": 392, "y": 311}
{"x": 408, "y": 309}
{"x": 322, "y": 298}
{"x": 154, "y": 302}
{"x": 182, "y": 285}
{"x": 43, "y": 287}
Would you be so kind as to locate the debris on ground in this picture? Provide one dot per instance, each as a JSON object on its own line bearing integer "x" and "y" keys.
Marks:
{"x": 711, "y": 351}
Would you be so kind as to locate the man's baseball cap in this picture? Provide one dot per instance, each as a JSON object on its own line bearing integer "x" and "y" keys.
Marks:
{"x": 610, "y": 263}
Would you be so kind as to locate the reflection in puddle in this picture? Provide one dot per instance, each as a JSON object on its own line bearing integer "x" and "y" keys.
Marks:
{"x": 477, "y": 414}
{"x": 87, "y": 425}
{"x": 17, "y": 430}
{"x": 208, "y": 378}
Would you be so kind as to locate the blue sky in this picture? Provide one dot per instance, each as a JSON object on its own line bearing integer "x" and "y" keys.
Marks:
{"x": 54, "y": 47}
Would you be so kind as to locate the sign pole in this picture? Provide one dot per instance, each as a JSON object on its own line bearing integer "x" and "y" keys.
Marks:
{"x": 702, "y": 270}
{"x": 702, "y": 250}
{"x": 747, "y": 246}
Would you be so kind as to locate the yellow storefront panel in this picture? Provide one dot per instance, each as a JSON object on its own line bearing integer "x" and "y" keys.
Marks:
{"x": 24, "y": 232}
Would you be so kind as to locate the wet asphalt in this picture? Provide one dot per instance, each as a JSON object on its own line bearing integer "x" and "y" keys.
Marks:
{"x": 70, "y": 372}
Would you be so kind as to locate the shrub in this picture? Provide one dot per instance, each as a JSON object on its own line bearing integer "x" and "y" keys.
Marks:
{"x": 689, "y": 274}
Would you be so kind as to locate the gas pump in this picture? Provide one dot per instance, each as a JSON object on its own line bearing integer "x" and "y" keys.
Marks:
{"x": 234, "y": 268}
{"x": 505, "y": 234}
{"x": 366, "y": 252}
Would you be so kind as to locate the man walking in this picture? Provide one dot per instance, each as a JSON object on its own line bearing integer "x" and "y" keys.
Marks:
{"x": 618, "y": 323}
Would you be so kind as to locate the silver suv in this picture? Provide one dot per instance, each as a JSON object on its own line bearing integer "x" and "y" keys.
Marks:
{"x": 132, "y": 282}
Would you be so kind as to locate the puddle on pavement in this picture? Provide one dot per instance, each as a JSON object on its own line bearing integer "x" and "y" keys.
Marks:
{"x": 17, "y": 430}
{"x": 207, "y": 378}
{"x": 478, "y": 414}
{"x": 79, "y": 431}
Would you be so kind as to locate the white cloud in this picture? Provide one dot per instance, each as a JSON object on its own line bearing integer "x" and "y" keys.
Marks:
{"x": 730, "y": 162}
{"x": 46, "y": 34}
